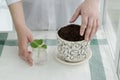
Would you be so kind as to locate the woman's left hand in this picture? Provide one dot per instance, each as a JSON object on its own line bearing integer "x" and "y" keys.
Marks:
{"x": 89, "y": 11}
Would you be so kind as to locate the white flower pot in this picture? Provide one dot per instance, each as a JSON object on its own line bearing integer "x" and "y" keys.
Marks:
{"x": 71, "y": 51}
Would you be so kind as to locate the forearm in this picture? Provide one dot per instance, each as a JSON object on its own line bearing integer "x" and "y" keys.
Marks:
{"x": 17, "y": 14}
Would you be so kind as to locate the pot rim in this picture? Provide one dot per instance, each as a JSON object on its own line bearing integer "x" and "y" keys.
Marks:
{"x": 68, "y": 40}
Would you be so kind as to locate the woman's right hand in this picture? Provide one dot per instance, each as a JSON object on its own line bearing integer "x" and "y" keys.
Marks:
{"x": 23, "y": 33}
{"x": 24, "y": 37}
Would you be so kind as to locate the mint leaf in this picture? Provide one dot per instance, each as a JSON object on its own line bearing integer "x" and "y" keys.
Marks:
{"x": 39, "y": 42}
{"x": 44, "y": 46}
{"x": 34, "y": 44}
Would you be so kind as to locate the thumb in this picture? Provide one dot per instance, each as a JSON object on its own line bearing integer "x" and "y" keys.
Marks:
{"x": 76, "y": 15}
{"x": 30, "y": 38}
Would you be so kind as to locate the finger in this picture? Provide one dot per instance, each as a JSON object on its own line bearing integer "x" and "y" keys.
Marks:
{"x": 23, "y": 57}
{"x": 88, "y": 29}
{"x": 29, "y": 58}
{"x": 94, "y": 28}
{"x": 84, "y": 25}
{"x": 31, "y": 38}
{"x": 23, "y": 50}
{"x": 75, "y": 15}
{"x": 97, "y": 24}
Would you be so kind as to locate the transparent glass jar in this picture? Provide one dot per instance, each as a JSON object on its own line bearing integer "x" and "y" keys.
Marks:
{"x": 39, "y": 56}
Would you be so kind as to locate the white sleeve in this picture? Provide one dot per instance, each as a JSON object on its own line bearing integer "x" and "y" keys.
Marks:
{"x": 9, "y": 2}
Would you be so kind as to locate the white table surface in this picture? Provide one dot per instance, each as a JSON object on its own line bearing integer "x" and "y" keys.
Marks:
{"x": 98, "y": 68}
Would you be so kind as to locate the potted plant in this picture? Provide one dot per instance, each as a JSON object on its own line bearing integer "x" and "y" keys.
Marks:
{"x": 39, "y": 51}
{"x": 72, "y": 47}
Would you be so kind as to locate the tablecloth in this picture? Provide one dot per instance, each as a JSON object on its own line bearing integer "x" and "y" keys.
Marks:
{"x": 99, "y": 67}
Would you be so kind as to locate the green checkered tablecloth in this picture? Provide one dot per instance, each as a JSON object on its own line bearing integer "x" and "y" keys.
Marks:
{"x": 99, "y": 65}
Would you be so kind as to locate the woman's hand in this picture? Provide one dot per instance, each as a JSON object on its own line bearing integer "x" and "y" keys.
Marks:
{"x": 23, "y": 33}
{"x": 24, "y": 37}
{"x": 89, "y": 11}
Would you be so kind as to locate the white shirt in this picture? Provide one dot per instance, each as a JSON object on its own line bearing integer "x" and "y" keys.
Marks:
{"x": 48, "y": 14}
{"x": 12, "y": 1}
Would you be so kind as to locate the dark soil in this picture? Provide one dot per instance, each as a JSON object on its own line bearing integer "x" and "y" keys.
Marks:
{"x": 71, "y": 33}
